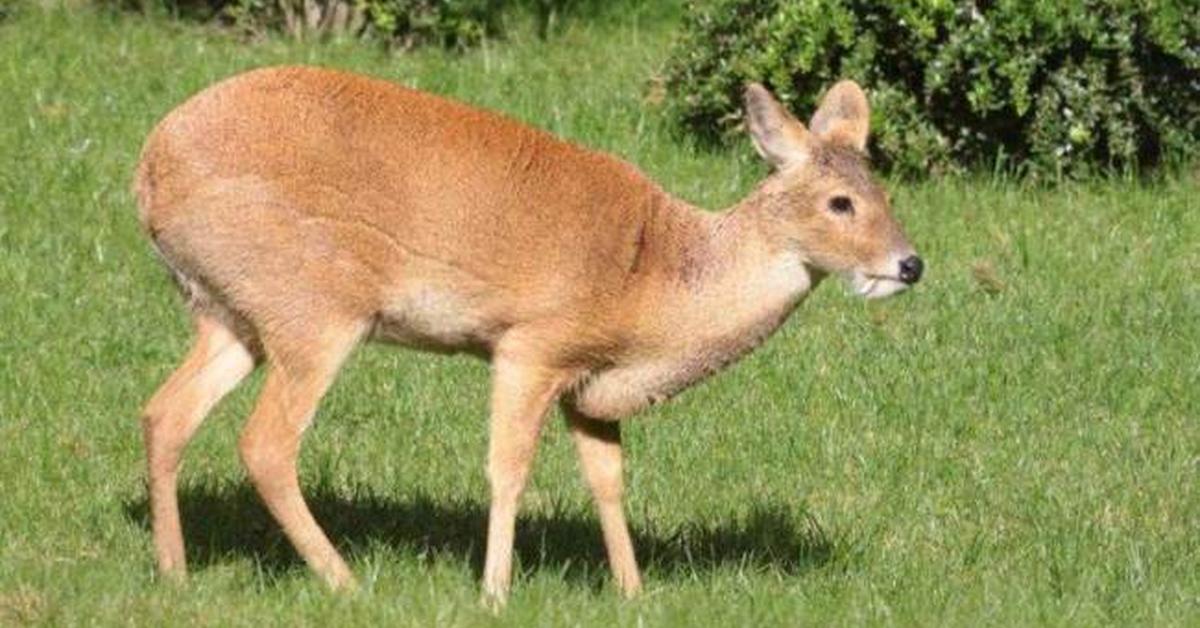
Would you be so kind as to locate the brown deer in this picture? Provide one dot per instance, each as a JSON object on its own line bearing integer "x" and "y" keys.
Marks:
{"x": 304, "y": 210}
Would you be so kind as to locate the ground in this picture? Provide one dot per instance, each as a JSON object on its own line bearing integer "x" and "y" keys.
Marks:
{"x": 1013, "y": 442}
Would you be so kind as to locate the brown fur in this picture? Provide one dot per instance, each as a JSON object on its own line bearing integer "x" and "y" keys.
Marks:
{"x": 303, "y": 210}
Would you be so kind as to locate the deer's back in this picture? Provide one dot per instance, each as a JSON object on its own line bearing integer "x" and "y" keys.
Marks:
{"x": 390, "y": 195}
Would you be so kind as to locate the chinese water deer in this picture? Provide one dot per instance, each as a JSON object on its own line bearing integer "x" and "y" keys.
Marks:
{"x": 304, "y": 210}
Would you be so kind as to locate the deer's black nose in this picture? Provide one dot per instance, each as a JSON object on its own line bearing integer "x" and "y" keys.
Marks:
{"x": 911, "y": 268}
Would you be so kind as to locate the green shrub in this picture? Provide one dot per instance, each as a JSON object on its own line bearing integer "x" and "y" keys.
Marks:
{"x": 301, "y": 19}
{"x": 8, "y": 8}
{"x": 402, "y": 23}
{"x": 1040, "y": 87}
{"x": 449, "y": 23}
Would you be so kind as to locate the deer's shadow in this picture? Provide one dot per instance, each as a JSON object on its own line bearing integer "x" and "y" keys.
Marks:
{"x": 225, "y": 521}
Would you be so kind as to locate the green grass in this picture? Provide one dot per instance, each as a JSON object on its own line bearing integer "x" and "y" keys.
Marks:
{"x": 1014, "y": 442}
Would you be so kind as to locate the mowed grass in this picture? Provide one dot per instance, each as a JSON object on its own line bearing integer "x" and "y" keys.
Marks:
{"x": 1014, "y": 442}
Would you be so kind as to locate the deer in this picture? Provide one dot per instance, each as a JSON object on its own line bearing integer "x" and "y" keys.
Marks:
{"x": 303, "y": 211}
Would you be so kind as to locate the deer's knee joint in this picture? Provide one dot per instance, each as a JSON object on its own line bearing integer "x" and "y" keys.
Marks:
{"x": 155, "y": 416}
{"x": 506, "y": 477}
{"x": 263, "y": 456}
{"x": 151, "y": 420}
{"x": 606, "y": 482}
{"x": 607, "y": 493}
{"x": 159, "y": 431}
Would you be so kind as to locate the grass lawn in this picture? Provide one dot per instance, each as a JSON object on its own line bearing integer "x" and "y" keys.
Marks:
{"x": 1016, "y": 441}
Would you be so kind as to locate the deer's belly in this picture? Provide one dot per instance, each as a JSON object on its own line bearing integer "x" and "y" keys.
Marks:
{"x": 436, "y": 318}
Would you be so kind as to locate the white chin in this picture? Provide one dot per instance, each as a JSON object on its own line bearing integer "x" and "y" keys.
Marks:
{"x": 876, "y": 287}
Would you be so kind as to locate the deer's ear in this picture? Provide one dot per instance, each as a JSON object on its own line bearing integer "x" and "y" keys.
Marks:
{"x": 779, "y": 137}
{"x": 844, "y": 116}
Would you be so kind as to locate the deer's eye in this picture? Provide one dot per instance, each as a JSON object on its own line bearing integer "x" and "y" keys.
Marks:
{"x": 841, "y": 205}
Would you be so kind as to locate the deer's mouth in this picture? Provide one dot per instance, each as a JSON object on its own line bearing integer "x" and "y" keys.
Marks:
{"x": 871, "y": 286}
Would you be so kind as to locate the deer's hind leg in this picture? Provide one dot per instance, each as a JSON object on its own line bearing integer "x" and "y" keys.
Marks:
{"x": 302, "y": 362}
{"x": 296, "y": 278}
{"x": 216, "y": 363}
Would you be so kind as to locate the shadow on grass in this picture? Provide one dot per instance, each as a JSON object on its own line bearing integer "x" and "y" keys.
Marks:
{"x": 225, "y": 521}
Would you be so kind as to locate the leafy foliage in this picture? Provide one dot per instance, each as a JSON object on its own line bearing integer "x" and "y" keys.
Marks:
{"x": 402, "y": 23}
{"x": 1039, "y": 87}
{"x": 8, "y": 8}
{"x": 450, "y": 23}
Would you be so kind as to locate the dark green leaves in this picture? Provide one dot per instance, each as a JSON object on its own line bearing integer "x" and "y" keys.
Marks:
{"x": 1037, "y": 88}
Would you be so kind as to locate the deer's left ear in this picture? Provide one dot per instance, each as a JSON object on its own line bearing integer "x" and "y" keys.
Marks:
{"x": 779, "y": 137}
{"x": 843, "y": 116}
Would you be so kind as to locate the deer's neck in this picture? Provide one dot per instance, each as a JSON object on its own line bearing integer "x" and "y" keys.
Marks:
{"x": 714, "y": 289}
{"x": 724, "y": 287}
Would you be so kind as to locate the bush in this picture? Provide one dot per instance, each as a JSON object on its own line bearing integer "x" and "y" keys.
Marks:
{"x": 301, "y": 19}
{"x": 1046, "y": 88}
{"x": 402, "y": 23}
{"x": 8, "y": 8}
{"x": 449, "y": 23}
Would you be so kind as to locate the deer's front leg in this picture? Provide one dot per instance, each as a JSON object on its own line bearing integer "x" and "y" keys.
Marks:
{"x": 599, "y": 446}
{"x": 521, "y": 395}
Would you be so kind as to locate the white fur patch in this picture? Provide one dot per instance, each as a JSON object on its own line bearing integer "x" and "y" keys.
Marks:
{"x": 875, "y": 286}
{"x": 432, "y": 317}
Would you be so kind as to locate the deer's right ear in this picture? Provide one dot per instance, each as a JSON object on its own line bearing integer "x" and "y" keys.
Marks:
{"x": 778, "y": 136}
